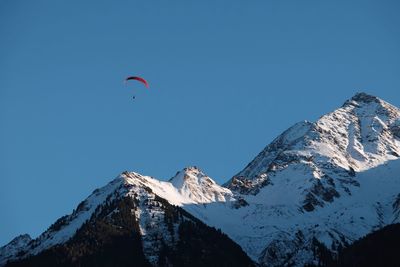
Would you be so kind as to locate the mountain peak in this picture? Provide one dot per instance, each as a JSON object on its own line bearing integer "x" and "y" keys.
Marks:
{"x": 25, "y": 238}
{"x": 361, "y": 134}
{"x": 373, "y": 105}
{"x": 364, "y": 97}
{"x": 193, "y": 183}
{"x": 16, "y": 246}
{"x": 191, "y": 174}
{"x": 193, "y": 170}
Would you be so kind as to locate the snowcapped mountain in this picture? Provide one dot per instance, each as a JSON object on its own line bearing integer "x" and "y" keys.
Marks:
{"x": 331, "y": 181}
{"x": 15, "y": 248}
{"x": 362, "y": 134}
{"x": 194, "y": 185}
{"x": 163, "y": 234}
{"x": 316, "y": 188}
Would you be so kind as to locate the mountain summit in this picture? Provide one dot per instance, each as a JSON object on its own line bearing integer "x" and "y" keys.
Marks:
{"x": 333, "y": 180}
{"x": 360, "y": 135}
{"x": 317, "y": 188}
{"x": 192, "y": 183}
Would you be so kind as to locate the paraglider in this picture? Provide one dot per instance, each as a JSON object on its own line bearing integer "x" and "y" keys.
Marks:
{"x": 137, "y": 78}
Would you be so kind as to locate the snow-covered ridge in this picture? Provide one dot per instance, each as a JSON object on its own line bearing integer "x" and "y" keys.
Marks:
{"x": 16, "y": 246}
{"x": 362, "y": 134}
{"x": 193, "y": 184}
{"x": 65, "y": 227}
{"x": 330, "y": 182}
{"x": 362, "y": 131}
{"x": 189, "y": 187}
{"x": 333, "y": 180}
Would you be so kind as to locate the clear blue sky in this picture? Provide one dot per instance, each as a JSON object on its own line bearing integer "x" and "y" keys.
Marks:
{"x": 226, "y": 77}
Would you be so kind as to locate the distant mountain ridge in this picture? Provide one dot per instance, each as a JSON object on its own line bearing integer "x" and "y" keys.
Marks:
{"x": 317, "y": 188}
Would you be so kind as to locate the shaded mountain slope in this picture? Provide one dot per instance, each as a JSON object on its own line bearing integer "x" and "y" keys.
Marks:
{"x": 380, "y": 248}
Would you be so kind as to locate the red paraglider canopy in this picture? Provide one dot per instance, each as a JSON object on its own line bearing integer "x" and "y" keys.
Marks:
{"x": 140, "y": 79}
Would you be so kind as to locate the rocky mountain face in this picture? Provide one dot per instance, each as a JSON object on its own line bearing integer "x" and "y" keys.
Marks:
{"x": 313, "y": 191}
